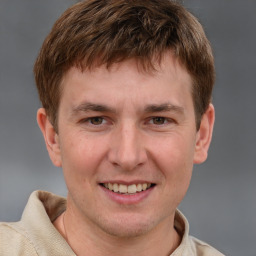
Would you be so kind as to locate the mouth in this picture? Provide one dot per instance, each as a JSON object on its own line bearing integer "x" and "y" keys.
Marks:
{"x": 127, "y": 189}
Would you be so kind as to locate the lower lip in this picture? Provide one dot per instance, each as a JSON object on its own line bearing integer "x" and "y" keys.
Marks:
{"x": 128, "y": 198}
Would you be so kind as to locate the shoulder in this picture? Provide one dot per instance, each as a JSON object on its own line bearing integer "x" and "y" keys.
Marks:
{"x": 13, "y": 240}
{"x": 35, "y": 234}
{"x": 203, "y": 249}
{"x": 191, "y": 246}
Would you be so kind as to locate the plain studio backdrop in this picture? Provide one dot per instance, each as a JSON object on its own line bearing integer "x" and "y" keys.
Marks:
{"x": 221, "y": 201}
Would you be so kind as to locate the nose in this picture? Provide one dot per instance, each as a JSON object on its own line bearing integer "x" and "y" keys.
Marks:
{"x": 127, "y": 148}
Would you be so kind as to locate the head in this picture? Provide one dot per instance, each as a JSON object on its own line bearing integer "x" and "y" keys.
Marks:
{"x": 126, "y": 89}
{"x": 94, "y": 33}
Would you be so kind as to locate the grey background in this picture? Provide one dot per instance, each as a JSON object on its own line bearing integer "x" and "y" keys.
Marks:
{"x": 221, "y": 201}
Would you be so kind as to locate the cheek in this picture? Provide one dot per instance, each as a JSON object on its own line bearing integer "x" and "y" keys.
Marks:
{"x": 175, "y": 160}
{"x": 177, "y": 171}
{"x": 80, "y": 156}
{"x": 176, "y": 152}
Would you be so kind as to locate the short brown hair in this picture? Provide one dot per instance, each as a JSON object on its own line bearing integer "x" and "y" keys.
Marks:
{"x": 97, "y": 32}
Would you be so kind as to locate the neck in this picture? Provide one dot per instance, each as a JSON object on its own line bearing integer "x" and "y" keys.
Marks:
{"x": 84, "y": 239}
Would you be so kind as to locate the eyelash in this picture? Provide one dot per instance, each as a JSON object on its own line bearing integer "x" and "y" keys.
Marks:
{"x": 151, "y": 121}
{"x": 90, "y": 119}
{"x": 163, "y": 119}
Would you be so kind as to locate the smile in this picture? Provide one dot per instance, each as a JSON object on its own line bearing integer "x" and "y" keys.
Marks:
{"x": 127, "y": 189}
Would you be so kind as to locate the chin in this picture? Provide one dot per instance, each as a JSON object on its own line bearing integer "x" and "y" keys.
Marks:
{"x": 126, "y": 227}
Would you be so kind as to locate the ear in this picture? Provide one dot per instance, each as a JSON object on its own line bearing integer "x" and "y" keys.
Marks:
{"x": 204, "y": 135}
{"x": 50, "y": 137}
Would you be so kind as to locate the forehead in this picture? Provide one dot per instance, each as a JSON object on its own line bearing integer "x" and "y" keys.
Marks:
{"x": 129, "y": 78}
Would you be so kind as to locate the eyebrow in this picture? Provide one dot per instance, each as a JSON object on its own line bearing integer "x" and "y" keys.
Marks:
{"x": 85, "y": 107}
{"x": 166, "y": 107}
{"x": 152, "y": 108}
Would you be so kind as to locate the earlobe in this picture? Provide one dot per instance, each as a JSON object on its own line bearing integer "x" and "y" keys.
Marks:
{"x": 50, "y": 137}
{"x": 204, "y": 135}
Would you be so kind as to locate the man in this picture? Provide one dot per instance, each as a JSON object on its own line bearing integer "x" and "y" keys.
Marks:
{"x": 126, "y": 93}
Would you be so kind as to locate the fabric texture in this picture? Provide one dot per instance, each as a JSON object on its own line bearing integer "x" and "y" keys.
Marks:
{"x": 35, "y": 235}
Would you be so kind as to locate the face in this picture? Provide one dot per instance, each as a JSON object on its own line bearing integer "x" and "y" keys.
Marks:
{"x": 127, "y": 142}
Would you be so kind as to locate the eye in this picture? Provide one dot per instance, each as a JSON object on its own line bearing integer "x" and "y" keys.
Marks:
{"x": 96, "y": 120}
{"x": 158, "y": 120}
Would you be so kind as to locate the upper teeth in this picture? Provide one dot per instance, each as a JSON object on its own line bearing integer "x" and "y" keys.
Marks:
{"x": 131, "y": 189}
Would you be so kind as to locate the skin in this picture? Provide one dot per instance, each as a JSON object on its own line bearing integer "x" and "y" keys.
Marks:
{"x": 127, "y": 126}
